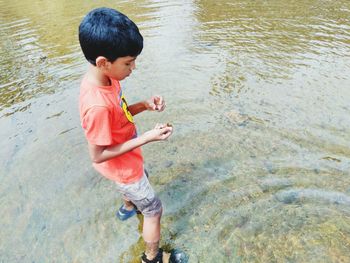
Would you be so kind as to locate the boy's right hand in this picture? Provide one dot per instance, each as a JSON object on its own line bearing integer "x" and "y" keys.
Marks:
{"x": 160, "y": 132}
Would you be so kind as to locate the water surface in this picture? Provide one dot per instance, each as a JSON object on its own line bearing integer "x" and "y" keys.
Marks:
{"x": 257, "y": 169}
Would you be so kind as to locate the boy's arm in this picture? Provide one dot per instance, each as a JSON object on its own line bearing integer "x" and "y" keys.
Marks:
{"x": 137, "y": 108}
{"x": 100, "y": 153}
{"x": 155, "y": 103}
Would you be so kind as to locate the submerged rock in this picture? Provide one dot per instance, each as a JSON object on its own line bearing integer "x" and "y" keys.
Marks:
{"x": 236, "y": 118}
{"x": 273, "y": 183}
{"x": 314, "y": 195}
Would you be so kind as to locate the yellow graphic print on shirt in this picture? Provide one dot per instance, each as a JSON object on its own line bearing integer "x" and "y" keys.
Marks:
{"x": 124, "y": 106}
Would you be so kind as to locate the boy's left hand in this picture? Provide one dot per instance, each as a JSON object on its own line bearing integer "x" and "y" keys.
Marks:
{"x": 155, "y": 103}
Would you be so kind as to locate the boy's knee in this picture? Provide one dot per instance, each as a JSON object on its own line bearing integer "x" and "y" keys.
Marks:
{"x": 150, "y": 207}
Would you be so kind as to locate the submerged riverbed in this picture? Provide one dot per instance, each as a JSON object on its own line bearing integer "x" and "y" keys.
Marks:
{"x": 257, "y": 169}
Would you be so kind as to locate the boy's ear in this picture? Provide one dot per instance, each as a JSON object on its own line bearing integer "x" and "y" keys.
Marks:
{"x": 101, "y": 62}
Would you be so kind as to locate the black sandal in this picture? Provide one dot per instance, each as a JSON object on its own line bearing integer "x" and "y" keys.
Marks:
{"x": 157, "y": 259}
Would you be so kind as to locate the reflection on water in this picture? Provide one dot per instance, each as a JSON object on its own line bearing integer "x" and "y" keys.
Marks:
{"x": 257, "y": 170}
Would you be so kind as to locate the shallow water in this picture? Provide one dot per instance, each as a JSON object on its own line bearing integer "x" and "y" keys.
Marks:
{"x": 257, "y": 169}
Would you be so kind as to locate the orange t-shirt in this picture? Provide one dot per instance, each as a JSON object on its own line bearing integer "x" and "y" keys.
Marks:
{"x": 106, "y": 121}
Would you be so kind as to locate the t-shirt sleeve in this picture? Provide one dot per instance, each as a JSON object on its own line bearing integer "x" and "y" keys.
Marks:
{"x": 97, "y": 126}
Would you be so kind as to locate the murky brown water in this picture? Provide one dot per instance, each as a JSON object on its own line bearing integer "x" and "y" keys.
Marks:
{"x": 258, "y": 168}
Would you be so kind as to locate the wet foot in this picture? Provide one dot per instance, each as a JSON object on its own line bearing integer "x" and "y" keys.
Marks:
{"x": 123, "y": 213}
{"x": 165, "y": 258}
{"x": 176, "y": 256}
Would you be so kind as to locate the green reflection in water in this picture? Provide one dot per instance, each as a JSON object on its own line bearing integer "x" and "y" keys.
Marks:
{"x": 40, "y": 52}
{"x": 270, "y": 39}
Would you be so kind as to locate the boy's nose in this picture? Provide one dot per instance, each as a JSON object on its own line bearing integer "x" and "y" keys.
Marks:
{"x": 133, "y": 65}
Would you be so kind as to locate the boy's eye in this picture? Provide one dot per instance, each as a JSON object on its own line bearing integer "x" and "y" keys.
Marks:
{"x": 128, "y": 64}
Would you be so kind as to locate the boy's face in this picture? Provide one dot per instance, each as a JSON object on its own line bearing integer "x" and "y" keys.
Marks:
{"x": 121, "y": 68}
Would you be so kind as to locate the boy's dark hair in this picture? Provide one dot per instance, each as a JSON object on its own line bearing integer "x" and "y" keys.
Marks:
{"x": 109, "y": 33}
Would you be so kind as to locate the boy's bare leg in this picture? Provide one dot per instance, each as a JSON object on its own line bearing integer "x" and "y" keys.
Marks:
{"x": 151, "y": 235}
{"x": 128, "y": 205}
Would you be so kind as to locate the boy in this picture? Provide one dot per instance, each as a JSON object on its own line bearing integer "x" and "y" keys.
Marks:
{"x": 111, "y": 43}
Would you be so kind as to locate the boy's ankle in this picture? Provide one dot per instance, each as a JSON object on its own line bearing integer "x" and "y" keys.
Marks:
{"x": 160, "y": 256}
{"x": 151, "y": 256}
{"x": 129, "y": 207}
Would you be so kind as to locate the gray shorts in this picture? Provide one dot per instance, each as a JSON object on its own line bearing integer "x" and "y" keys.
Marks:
{"x": 142, "y": 195}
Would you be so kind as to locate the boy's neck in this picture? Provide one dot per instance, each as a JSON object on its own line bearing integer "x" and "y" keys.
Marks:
{"x": 97, "y": 77}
